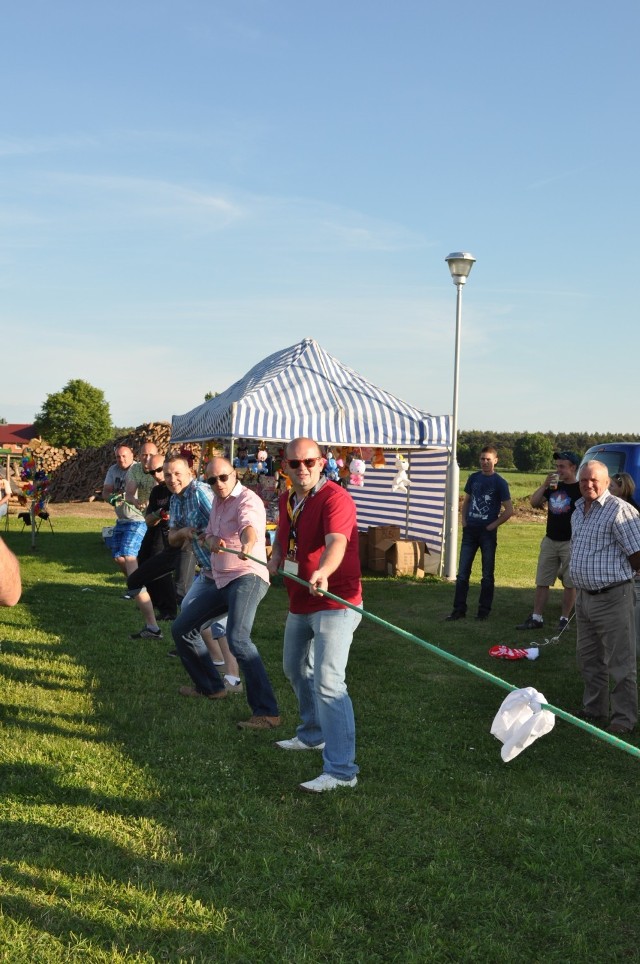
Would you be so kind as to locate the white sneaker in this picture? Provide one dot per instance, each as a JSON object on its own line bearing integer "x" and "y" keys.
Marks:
{"x": 295, "y": 744}
{"x": 326, "y": 782}
{"x": 232, "y": 687}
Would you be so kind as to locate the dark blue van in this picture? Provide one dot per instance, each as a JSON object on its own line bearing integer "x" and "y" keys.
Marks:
{"x": 618, "y": 457}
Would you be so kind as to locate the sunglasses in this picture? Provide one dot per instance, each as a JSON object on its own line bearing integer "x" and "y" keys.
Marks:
{"x": 308, "y": 463}
{"x": 218, "y": 478}
{"x": 617, "y": 478}
{"x": 158, "y": 471}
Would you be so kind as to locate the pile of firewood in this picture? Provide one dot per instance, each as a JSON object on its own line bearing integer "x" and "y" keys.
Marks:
{"x": 78, "y": 475}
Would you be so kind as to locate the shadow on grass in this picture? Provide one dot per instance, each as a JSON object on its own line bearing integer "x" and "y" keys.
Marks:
{"x": 178, "y": 802}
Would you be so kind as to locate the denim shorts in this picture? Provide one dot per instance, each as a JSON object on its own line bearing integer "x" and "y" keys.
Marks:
{"x": 126, "y": 538}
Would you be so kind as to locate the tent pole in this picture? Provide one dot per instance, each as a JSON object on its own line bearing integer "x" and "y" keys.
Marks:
{"x": 234, "y": 408}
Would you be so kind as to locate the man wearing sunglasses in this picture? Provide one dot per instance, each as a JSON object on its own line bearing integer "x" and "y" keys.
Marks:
{"x": 317, "y": 541}
{"x": 152, "y": 584}
{"x": 234, "y": 584}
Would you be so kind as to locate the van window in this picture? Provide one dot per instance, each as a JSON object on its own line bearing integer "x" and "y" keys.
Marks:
{"x": 615, "y": 461}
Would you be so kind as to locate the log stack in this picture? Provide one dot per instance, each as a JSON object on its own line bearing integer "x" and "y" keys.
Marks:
{"x": 78, "y": 475}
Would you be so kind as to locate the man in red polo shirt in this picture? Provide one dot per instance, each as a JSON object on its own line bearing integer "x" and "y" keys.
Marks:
{"x": 317, "y": 540}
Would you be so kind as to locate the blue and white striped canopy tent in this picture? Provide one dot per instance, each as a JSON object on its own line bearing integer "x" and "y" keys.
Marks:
{"x": 304, "y": 391}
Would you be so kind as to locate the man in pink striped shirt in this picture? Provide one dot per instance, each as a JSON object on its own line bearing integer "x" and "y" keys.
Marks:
{"x": 234, "y": 585}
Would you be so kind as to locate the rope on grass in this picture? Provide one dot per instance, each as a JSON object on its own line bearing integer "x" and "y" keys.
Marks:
{"x": 456, "y": 660}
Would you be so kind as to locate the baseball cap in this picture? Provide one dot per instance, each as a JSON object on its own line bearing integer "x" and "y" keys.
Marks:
{"x": 568, "y": 457}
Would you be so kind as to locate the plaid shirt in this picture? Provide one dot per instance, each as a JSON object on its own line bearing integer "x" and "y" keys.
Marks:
{"x": 601, "y": 542}
{"x": 191, "y": 508}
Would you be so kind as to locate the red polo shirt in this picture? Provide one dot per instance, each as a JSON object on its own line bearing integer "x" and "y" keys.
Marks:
{"x": 329, "y": 510}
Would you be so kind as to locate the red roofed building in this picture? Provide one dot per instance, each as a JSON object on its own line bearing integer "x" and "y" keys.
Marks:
{"x": 15, "y": 437}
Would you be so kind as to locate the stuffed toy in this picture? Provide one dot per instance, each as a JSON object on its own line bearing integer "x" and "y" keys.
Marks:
{"x": 261, "y": 464}
{"x": 357, "y": 469}
{"x": 378, "y": 460}
{"x": 344, "y": 471}
{"x": 401, "y": 479}
{"x": 332, "y": 467}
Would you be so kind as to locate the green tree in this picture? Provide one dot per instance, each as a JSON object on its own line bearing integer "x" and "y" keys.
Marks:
{"x": 505, "y": 457}
{"x": 78, "y": 416}
{"x": 533, "y": 452}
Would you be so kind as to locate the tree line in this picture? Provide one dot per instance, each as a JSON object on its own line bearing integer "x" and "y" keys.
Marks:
{"x": 530, "y": 451}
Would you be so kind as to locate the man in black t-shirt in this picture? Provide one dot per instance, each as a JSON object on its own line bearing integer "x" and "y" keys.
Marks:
{"x": 152, "y": 583}
{"x": 560, "y": 490}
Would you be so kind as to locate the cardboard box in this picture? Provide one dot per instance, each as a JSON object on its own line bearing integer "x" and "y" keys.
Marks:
{"x": 406, "y": 559}
{"x": 380, "y": 539}
{"x": 390, "y": 554}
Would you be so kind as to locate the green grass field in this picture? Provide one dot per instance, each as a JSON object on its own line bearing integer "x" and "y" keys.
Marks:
{"x": 139, "y": 826}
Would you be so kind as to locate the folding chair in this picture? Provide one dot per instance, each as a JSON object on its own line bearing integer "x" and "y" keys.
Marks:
{"x": 5, "y": 488}
{"x": 41, "y": 516}
{"x": 25, "y": 518}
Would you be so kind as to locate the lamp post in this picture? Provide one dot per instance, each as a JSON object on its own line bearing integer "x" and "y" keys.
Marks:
{"x": 460, "y": 264}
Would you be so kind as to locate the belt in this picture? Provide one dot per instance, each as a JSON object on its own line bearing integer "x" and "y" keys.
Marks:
{"x": 614, "y": 585}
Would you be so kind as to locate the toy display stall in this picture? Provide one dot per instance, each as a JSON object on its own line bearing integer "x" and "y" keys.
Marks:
{"x": 394, "y": 457}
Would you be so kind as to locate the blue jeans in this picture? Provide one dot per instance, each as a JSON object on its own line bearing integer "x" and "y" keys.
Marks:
{"x": 474, "y": 538}
{"x": 316, "y": 650}
{"x": 240, "y": 599}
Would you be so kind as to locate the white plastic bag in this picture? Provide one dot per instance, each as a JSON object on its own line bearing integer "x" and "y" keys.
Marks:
{"x": 521, "y": 720}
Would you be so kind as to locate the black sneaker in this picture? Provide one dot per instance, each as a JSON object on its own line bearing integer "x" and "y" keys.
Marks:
{"x": 456, "y": 614}
{"x": 146, "y": 633}
{"x": 531, "y": 623}
{"x": 563, "y": 622}
{"x": 482, "y": 616}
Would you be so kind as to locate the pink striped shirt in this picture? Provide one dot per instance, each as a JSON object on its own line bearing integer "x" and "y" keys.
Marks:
{"x": 228, "y": 518}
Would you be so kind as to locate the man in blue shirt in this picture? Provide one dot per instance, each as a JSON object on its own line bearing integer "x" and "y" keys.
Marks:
{"x": 486, "y": 505}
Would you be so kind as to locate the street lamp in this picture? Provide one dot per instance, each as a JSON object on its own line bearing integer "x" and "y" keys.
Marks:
{"x": 460, "y": 264}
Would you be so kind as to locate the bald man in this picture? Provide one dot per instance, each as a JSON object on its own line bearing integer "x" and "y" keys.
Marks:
{"x": 234, "y": 585}
{"x": 317, "y": 540}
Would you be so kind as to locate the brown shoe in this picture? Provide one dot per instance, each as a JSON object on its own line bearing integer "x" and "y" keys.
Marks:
{"x": 260, "y": 723}
{"x": 190, "y": 691}
{"x": 618, "y": 730}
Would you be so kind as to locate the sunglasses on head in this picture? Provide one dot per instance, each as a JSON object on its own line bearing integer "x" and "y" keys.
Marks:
{"x": 308, "y": 463}
{"x": 617, "y": 478}
{"x": 218, "y": 478}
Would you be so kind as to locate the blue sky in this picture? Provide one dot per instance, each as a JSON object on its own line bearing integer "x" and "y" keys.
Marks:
{"x": 187, "y": 187}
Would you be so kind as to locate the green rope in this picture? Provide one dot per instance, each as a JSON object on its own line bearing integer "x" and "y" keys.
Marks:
{"x": 457, "y": 661}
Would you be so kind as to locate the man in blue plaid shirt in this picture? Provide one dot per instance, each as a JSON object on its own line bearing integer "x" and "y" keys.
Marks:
{"x": 605, "y": 552}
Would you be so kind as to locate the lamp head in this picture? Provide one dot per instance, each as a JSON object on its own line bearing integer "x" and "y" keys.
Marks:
{"x": 460, "y": 264}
